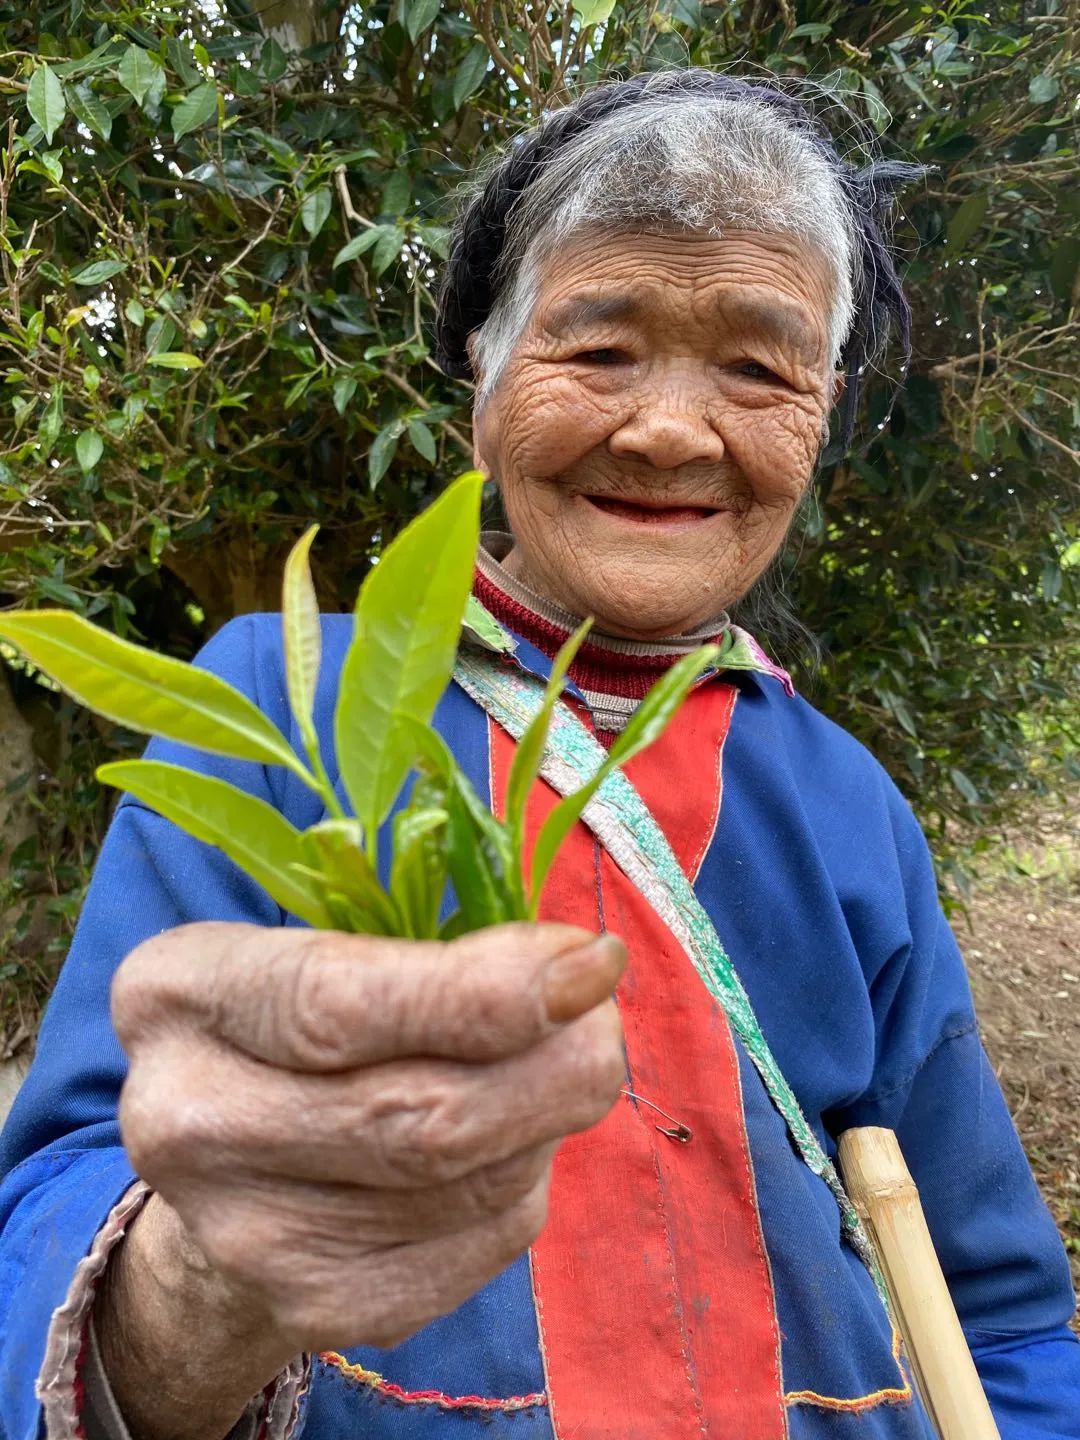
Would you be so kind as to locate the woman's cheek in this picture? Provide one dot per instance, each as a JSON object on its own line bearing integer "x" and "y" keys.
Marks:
{"x": 550, "y": 424}
{"x": 776, "y": 448}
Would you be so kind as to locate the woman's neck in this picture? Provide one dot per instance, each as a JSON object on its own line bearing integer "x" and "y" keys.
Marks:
{"x": 612, "y": 672}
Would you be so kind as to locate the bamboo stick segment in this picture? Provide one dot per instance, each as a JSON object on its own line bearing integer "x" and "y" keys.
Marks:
{"x": 885, "y": 1196}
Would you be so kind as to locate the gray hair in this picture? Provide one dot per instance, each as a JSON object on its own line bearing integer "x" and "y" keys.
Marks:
{"x": 673, "y": 163}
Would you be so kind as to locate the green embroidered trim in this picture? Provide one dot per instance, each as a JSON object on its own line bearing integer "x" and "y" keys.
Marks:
{"x": 625, "y": 826}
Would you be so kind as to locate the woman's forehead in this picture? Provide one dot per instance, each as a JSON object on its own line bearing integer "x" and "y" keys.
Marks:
{"x": 745, "y": 280}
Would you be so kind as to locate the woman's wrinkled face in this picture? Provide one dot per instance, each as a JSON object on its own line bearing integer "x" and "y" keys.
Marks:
{"x": 658, "y": 422}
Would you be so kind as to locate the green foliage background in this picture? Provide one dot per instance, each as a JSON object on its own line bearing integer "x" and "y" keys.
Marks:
{"x": 220, "y": 229}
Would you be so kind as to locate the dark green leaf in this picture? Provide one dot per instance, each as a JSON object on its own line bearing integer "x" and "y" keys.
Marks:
{"x": 423, "y": 442}
{"x": 344, "y": 390}
{"x": 45, "y": 101}
{"x": 274, "y": 61}
{"x": 419, "y": 15}
{"x": 382, "y": 451}
{"x": 387, "y": 248}
{"x": 137, "y": 72}
{"x": 966, "y": 788}
{"x": 98, "y": 271}
{"x": 315, "y": 209}
{"x": 967, "y": 218}
{"x": 88, "y": 449}
{"x": 361, "y": 243}
{"x": 1043, "y": 88}
{"x": 87, "y": 108}
{"x": 470, "y": 73}
{"x": 196, "y": 108}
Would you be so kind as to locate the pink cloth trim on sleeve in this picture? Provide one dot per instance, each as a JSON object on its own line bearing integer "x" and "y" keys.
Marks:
{"x": 58, "y": 1388}
{"x": 56, "y": 1383}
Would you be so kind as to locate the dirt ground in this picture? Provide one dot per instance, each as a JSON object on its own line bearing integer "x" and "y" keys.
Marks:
{"x": 1021, "y": 939}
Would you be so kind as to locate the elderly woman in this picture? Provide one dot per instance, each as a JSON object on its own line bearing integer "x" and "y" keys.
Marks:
{"x": 538, "y": 1179}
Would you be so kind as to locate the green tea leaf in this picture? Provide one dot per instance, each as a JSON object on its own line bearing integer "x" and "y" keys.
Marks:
{"x": 1042, "y": 89}
{"x": 315, "y": 209}
{"x": 175, "y": 360}
{"x": 98, "y": 271}
{"x": 250, "y": 832}
{"x": 45, "y": 101}
{"x": 486, "y": 629}
{"x": 647, "y": 724}
{"x": 594, "y": 12}
{"x": 408, "y": 617}
{"x": 359, "y": 243}
{"x": 335, "y": 860}
{"x": 196, "y": 108}
{"x": 420, "y": 865}
{"x": 88, "y": 449}
{"x": 967, "y": 218}
{"x": 344, "y": 390}
{"x": 92, "y": 112}
{"x": 480, "y": 883}
{"x": 382, "y": 451}
{"x": 530, "y": 748}
{"x": 419, "y": 16}
{"x": 480, "y": 851}
{"x": 137, "y": 72}
{"x": 302, "y": 637}
{"x": 153, "y": 694}
{"x": 423, "y": 442}
{"x": 388, "y": 248}
{"x": 470, "y": 73}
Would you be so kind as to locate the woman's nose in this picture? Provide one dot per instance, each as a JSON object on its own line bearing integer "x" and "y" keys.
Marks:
{"x": 672, "y": 428}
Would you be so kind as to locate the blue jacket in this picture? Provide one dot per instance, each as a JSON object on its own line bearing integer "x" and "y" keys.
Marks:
{"x": 819, "y": 881}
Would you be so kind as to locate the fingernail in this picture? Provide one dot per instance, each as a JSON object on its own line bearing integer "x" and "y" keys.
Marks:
{"x": 581, "y": 978}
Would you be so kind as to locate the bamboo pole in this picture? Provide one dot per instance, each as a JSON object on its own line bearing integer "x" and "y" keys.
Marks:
{"x": 885, "y": 1196}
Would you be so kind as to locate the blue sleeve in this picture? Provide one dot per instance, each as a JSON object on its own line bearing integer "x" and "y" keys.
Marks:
{"x": 61, "y": 1161}
{"x": 999, "y": 1247}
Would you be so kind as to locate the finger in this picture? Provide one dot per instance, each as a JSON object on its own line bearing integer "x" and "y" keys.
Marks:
{"x": 405, "y": 1125}
{"x": 321, "y": 1001}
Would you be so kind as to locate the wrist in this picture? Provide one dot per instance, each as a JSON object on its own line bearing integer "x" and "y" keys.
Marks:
{"x": 183, "y": 1352}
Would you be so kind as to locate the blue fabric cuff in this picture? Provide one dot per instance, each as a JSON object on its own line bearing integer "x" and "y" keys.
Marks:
{"x": 1032, "y": 1382}
{"x": 53, "y": 1208}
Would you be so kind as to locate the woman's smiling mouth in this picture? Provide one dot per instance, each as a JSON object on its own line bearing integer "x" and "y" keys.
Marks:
{"x": 651, "y": 513}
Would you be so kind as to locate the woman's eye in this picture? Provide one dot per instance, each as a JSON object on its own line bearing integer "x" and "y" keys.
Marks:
{"x": 604, "y": 355}
{"x": 756, "y": 371}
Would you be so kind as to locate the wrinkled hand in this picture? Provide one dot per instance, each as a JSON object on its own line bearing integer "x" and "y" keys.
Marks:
{"x": 356, "y": 1132}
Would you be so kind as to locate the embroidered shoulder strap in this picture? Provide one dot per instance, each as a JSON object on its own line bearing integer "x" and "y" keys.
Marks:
{"x": 624, "y": 825}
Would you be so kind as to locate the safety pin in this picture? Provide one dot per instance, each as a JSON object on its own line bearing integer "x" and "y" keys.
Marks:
{"x": 680, "y": 1132}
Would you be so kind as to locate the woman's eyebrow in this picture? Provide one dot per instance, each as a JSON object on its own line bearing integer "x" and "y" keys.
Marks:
{"x": 780, "y": 318}
{"x": 581, "y": 310}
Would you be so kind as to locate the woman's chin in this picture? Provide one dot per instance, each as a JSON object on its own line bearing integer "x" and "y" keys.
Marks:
{"x": 643, "y": 610}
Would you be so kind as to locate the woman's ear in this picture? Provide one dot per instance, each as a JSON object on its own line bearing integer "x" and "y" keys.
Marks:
{"x": 839, "y": 385}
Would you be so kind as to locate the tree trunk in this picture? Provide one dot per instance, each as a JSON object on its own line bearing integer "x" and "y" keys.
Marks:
{"x": 17, "y": 767}
{"x": 298, "y": 24}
